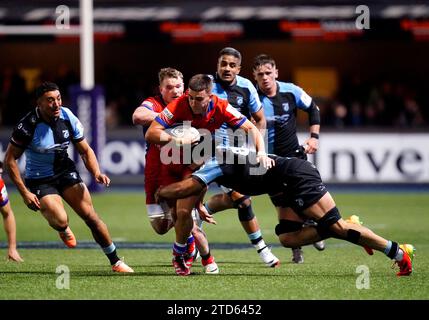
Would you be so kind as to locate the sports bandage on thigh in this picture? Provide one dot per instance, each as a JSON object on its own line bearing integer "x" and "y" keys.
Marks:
{"x": 286, "y": 226}
{"x": 158, "y": 211}
{"x": 324, "y": 224}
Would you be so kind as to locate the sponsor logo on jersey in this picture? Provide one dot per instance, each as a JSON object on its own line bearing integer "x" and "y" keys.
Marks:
{"x": 279, "y": 119}
{"x": 168, "y": 114}
{"x": 299, "y": 202}
{"x": 285, "y": 106}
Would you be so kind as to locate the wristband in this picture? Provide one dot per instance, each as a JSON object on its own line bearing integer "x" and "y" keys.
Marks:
{"x": 261, "y": 153}
{"x": 314, "y": 135}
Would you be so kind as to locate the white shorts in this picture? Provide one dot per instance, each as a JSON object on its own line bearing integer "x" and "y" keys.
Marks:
{"x": 163, "y": 211}
{"x": 158, "y": 211}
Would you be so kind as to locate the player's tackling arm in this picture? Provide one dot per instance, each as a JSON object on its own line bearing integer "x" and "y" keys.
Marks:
{"x": 180, "y": 190}
{"x": 256, "y": 136}
{"x": 143, "y": 116}
{"x": 156, "y": 134}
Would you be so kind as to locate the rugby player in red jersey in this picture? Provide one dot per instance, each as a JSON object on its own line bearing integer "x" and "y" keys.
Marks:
{"x": 157, "y": 174}
{"x": 203, "y": 110}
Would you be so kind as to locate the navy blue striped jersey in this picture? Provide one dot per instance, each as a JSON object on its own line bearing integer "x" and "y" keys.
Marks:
{"x": 280, "y": 112}
{"x": 242, "y": 96}
{"x": 237, "y": 168}
{"x": 45, "y": 143}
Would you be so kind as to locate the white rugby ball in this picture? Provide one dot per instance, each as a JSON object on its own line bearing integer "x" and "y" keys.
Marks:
{"x": 182, "y": 131}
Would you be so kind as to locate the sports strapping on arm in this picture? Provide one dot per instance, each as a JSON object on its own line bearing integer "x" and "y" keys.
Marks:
{"x": 313, "y": 114}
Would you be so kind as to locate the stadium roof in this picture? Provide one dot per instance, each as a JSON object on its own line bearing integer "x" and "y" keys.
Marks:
{"x": 42, "y": 11}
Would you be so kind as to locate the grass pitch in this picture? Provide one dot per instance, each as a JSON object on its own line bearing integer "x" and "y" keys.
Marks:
{"x": 331, "y": 274}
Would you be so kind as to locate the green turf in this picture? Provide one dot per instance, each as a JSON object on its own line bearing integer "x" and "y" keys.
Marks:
{"x": 324, "y": 275}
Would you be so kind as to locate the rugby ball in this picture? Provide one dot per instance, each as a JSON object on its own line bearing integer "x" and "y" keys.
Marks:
{"x": 182, "y": 131}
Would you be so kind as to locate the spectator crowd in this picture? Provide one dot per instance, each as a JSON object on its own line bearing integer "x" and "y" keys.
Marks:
{"x": 357, "y": 104}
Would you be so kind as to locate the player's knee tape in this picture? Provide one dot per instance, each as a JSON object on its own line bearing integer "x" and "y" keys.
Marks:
{"x": 286, "y": 226}
{"x": 324, "y": 224}
{"x": 242, "y": 202}
{"x": 245, "y": 213}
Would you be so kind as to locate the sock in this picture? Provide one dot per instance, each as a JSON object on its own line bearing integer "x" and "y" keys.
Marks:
{"x": 63, "y": 230}
{"x": 111, "y": 254}
{"x": 206, "y": 256}
{"x": 179, "y": 248}
{"x": 256, "y": 239}
{"x": 207, "y": 259}
{"x": 190, "y": 245}
{"x": 392, "y": 251}
{"x": 399, "y": 255}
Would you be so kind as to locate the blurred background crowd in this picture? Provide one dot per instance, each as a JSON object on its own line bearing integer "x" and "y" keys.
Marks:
{"x": 385, "y": 102}
{"x": 370, "y": 77}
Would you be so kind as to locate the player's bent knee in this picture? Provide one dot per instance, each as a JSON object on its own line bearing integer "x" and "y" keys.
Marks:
{"x": 288, "y": 240}
{"x": 325, "y": 225}
{"x": 287, "y": 226}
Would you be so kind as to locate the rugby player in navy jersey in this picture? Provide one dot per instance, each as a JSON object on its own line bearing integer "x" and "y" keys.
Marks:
{"x": 294, "y": 183}
{"x": 242, "y": 95}
{"x": 44, "y": 135}
{"x": 280, "y": 102}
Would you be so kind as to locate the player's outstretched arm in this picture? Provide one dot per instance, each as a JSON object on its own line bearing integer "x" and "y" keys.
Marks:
{"x": 254, "y": 134}
{"x": 12, "y": 154}
{"x": 90, "y": 160}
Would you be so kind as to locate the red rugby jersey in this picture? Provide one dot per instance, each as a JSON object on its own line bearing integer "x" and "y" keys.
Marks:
{"x": 218, "y": 112}
{"x": 155, "y": 104}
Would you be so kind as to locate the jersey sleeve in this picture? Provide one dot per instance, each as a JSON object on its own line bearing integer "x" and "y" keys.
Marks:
{"x": 233, "y": 117}
{"x": 169, "y": 116}
{"x": 147, "y": 104}
{"x": 254, "y": 102}
{"x": 303, "y": 100}
{"x": 22, "y": 134}
{"x": 76, "y": 125}
{"x": 152, "y": 104}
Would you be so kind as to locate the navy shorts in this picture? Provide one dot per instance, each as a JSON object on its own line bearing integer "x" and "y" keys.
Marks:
{"x": 53, "y": 185}
{"x": 304, "y": 190}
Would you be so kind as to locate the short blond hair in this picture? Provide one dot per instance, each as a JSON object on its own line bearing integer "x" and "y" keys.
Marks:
{"x": 169, "y": 73}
